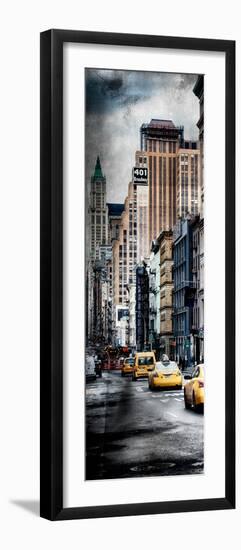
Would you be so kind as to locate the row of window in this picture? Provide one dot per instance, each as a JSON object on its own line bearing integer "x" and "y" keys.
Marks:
{"x": 97, "y": 219}
{"x": 158, "y": 146}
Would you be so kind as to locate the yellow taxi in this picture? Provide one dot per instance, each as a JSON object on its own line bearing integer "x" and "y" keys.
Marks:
{"x": 194, "y": 388}
{"x": 166, "y": 374}
{"x": 127, "y": 366}
{"x": 144, "y": 362}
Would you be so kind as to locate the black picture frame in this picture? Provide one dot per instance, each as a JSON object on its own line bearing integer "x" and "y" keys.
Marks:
{"x": 51, "y": 323}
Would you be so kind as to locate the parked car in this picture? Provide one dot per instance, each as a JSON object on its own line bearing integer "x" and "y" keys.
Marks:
{"x": 194, "y": 389}
{"x": 166, "y": 374}
{"x": 144, "y": 362}
{"x": 90, "y": 373}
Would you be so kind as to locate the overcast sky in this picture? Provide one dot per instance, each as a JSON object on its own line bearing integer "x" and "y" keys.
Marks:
{"x": 117, "y": 103}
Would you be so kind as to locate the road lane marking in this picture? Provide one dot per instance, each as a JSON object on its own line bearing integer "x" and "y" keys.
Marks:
{"x": 177, "y": 399}
{"x": 139, "y": 389}
{"x": 171, "y": 414}
{"x": 164, "y": 400}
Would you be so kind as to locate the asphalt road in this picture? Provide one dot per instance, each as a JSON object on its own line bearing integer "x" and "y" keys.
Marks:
{"x": 131, "y": 431}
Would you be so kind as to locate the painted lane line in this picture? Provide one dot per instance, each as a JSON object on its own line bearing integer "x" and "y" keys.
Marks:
{"x": 164, "y": 400}
{"x": 171, "y": 414}
{"x": 139, "y": 389}
{"x": 177, "y": 399}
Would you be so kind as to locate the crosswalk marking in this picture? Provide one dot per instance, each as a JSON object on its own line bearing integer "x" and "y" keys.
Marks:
{"x": 139, "y": 389}
{"x": 169, "y": 394}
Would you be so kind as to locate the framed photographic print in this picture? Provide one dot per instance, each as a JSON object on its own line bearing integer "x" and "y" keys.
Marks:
{"x": 137, "y": 274}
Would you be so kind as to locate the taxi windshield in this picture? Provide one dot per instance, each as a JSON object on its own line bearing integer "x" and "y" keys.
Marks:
{"x": 129, "y": 361}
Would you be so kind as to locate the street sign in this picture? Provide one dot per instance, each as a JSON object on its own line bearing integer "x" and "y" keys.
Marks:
{"x": 139, "y": 174}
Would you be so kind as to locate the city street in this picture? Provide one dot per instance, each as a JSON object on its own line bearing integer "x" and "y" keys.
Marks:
{"x": 131, "y": 431}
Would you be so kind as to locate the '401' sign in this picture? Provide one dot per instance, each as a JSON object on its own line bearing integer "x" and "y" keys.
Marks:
{"x": 139, "y": 174}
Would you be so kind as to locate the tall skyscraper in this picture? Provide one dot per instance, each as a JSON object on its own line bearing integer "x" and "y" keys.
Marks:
{"x": 170, "y": 192}
{"x": 130, "y": 243}
{"x": 160, "y": 140}
{"x": 131, "y": 246}
{"x": 98, "y": 210}
{"x": 124, "y": 250}
{"x": 98, "y": 253}
{"x": 122, "y": 264}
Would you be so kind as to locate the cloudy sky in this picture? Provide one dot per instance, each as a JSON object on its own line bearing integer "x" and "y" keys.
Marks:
{"x": 117, "y": 103}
